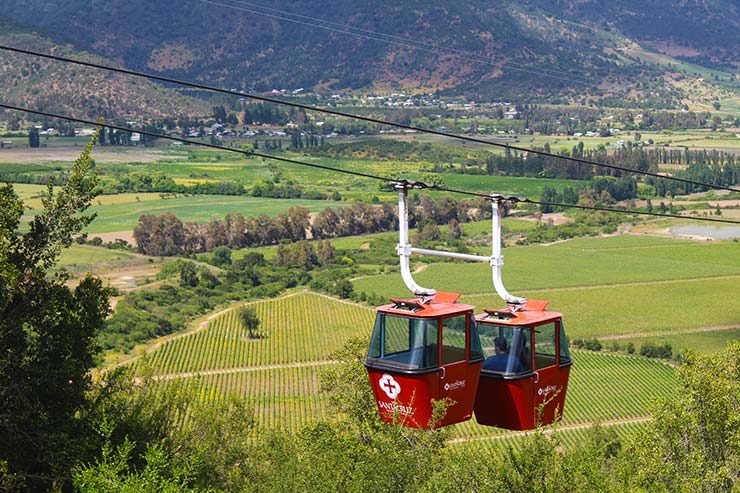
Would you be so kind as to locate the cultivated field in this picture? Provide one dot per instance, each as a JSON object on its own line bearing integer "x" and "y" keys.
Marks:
{"x": 279, "y": 374}
{"x": 606, "y": 286}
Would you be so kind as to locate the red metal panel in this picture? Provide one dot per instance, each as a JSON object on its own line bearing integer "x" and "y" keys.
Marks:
{"x": 550, "y": 390}
{"x": 505, "y": 404}
{"x": 405, "y": 398}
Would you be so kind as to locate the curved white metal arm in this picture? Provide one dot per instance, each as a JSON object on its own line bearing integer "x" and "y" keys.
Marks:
{"x": 404, "y": 248}
{"x": 497, "y": 258}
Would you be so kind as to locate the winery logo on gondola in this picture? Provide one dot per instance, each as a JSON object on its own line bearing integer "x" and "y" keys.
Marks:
{"x": 457, "y": 384}
{"x": 389, "y": 385}
{"x": 547, "y": 390}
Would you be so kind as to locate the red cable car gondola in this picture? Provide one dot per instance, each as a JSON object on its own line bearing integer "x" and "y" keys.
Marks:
{"x": 428, "y": 349}
{"x": 425, "y": 349}
{"x": 524, "y": 381}
{"x": 421, "y": 352}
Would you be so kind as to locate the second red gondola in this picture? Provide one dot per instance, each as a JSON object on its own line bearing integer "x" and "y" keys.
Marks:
{"x": 524, "y": 379}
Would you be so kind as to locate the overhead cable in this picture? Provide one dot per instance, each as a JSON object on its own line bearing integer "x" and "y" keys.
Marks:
{"x": 355, "y": 173}
{"x": 377, "y": 121}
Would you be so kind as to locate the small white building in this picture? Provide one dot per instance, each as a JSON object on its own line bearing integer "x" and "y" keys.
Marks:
{"x": 511, "y": 114}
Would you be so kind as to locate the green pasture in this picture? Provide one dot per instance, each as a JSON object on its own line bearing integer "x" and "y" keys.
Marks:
{"x": 82, "y": 258}
{"x": 699, "y": 342}
{"x": 655, "y": 307}
{"x": 577, "y": 263}
{"x": 121, "y": 212}
{"x": 506, "y": 185}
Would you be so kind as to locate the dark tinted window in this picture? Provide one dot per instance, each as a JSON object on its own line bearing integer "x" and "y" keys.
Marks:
{"x": 545, "y": 349}
{"x": 453, "y": 339}
{"x": 507, "y": 349}
{"x": 404, "y": 342}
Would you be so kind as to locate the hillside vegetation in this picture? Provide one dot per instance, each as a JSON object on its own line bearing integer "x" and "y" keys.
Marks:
{"x": 481, "y": 49}
{"x": 54, "y": 86}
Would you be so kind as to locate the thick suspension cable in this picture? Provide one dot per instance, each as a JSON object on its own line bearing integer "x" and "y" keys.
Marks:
{"x": 350, "y": 172}
{"x": 368, "y": 119}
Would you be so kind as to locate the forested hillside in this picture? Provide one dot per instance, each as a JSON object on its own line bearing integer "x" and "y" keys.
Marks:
{"x": 55, "y": 86}
{"x": 481, "y": 49}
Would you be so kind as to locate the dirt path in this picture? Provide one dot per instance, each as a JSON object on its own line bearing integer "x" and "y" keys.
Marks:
{"x": 549, "y": 431}
{"x": 243, "y": 369}
{"x": 698, "y": 330}
{"x": 617, "y": 285}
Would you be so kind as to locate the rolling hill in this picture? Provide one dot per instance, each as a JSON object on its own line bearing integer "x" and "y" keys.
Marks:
{"x": 543, "y": 50}
{"x": 53, "y": 86}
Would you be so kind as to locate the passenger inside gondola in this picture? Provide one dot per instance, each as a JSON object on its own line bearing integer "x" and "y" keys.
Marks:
{"x": 502, "y": 361}
{"x": 510, "y": 350}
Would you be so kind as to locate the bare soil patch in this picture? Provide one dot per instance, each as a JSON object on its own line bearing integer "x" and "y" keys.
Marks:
{"x": 557, "y": 218}
{"x": 100, "y": 154}
{"x": 127, "y": 236}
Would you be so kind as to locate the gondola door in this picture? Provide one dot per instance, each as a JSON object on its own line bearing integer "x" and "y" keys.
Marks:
{"x": 460, "y": 367}
{"x": 549, "y": 384}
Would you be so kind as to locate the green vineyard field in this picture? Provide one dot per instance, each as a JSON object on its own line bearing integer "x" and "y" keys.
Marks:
{"x": 295, "y": 328}
{"x": 279, "y": 373}
{"x": 588, "y": 262}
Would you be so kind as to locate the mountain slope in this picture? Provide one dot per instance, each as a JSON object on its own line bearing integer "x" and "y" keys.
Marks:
{"x": 53, "y": 86}
{"x": 483, "y": 48}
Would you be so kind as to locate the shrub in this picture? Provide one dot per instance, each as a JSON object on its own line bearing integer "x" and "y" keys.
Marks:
{"x": 652, "y": 350}
{"x": 592, "y": 345}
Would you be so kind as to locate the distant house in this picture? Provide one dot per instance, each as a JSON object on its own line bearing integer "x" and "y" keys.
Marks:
{"x": 135, "y": 138}
{"x": 6, "y": 144}
{"x": 511, "y": 114}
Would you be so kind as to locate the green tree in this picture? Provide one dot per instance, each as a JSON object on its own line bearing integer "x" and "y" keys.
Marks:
{"x": 188, "y": 274}
{"x": 693, "y": 442}
{"x": 250, "y": 321}
{"x": 47, "y": 333}
{"x": 549, "y": 195}
{"x": 34, "y": 139}
{"x": 221, "y": 256}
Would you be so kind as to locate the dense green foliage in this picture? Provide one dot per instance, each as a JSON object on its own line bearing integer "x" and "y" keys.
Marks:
{"x": 691, "y": 445}
{"x": 47, "y": 335}
{"x": 147, "y": 314}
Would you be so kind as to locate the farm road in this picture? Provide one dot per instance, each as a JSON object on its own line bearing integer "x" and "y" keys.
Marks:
{"x": 697, "y": 330}
{"x": 244, "y": 369}
{"x": 579, "y": 426}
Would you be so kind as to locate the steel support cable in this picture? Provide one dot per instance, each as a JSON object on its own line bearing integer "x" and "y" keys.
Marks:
{"x": 411, "y": 184}
{"x": 368, "y": 119}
